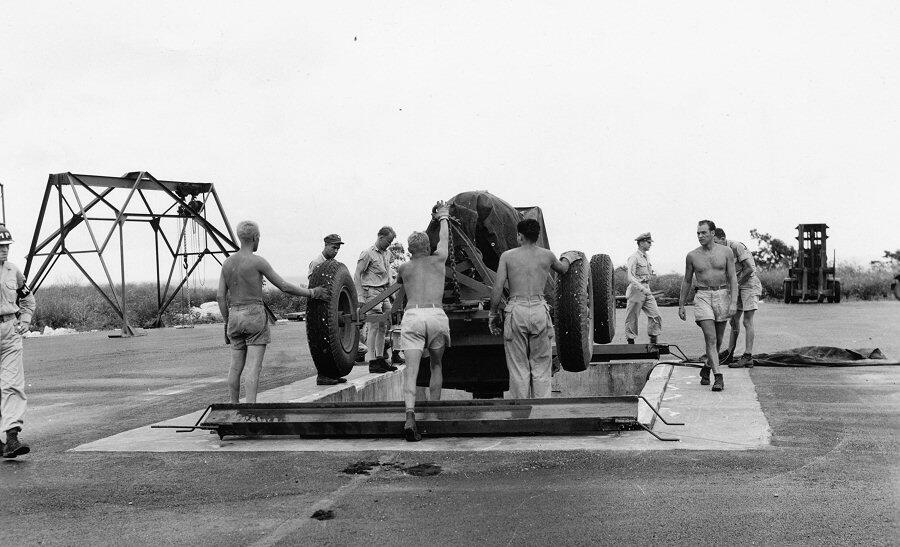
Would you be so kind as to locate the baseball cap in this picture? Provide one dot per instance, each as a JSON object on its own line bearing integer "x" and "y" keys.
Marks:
{"x": 331, "y": 239}
{"x": 645, "y": 235}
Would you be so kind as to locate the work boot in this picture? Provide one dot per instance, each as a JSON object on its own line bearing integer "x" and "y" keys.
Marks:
{"x": 13, "y": 446}
{"x": 380, "y": 365}
{"x": 726, "y": 357}
{"x": 746, "y": 361}
{"x": 719, "y": 384}
{"x": 410, "y": 432}
{"x": 704, "y": 376}
{"x": 629, "y": 340}
{"x": 653, "y": 339}
{"x": 328, "y": 381}
{"x": 396, "y": 359}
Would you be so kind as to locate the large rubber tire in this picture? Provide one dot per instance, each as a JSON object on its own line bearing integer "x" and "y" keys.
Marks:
{"x": 786, "y": 287}
{"x": 333, "y": 339}
{"x": 604, "y": 299}
{"x": 837, "y": 292}
{"x": 896, "y": 287}
{"x": 575, "y": 316}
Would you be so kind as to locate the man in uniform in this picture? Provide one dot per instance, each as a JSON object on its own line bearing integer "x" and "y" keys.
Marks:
{"x": 332, "y": 246}
{"x": 424, "y": 324}
{"x": 373, "y": 275}
{"x": 749, "y": 291}
{"x": 638, "y": 293}
{"x": 17, "y": 305}
{"x": 526, "y": 326}
{"x": 240, "y": 301}
{"x": 716, "y": 296}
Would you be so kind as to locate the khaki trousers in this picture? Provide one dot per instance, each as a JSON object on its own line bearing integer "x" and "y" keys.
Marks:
{"x": 12, "y": 377}
{"x": 376, "y": 331}
{"x": 638, "y": 301}
{"x": 528, "y": 336}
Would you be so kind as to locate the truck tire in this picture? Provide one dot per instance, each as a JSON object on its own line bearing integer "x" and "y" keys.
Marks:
{"x": 895, "y": 287}
{"x": 604, "y": 299}
{"x": 575, "y": 316}
{"x": 333, "y": 339}
{"x": 836, "y": 292}
{"x": 786, "y": 286}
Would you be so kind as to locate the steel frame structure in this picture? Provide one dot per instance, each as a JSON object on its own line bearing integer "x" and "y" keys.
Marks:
{"x": 76, "y": 210}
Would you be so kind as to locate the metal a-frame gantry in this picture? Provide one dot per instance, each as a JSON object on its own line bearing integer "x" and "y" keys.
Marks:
{"x": 80, "y": 197}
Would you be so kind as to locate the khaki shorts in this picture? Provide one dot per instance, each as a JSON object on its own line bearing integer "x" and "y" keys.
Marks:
{"x": 424, "y": 328}
{"x": 711, "y": 305}
{"x": 248, "y": 325}
{"x": 748, "y": 295}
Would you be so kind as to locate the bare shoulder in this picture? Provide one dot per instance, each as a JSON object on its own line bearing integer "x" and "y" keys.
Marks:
{"x": 724, "y": 251}
{"x": 694, "y": 253}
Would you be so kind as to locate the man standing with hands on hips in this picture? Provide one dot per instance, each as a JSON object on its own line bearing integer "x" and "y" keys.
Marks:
{"x": 638, "y": 293}
{"x": 17, "y": 305}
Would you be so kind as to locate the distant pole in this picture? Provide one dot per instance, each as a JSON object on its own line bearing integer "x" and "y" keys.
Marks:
{"x": 3, "y": 203}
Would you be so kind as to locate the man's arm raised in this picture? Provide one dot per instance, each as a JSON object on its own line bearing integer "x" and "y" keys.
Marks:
{"x": 266, "y": 270}
{"x": 442, "y": 214}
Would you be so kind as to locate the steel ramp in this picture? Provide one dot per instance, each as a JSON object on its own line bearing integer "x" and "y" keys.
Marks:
{"x": 554, "y": 416}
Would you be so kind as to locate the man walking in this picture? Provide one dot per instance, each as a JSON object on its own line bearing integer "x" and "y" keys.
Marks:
{"x": 749, "y": 291}
{"x": 638, "y": 294}
{"x": 17, "y": 305}
{"x": 373, "y": 275}
{"x": 716, "y": 296}
{"x": 424, "y": 324}
{"x": 527, "y": 327}
{"x": 240, "y": 301}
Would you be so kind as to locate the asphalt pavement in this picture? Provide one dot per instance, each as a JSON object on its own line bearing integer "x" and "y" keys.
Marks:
{"x": 829, "y": 474}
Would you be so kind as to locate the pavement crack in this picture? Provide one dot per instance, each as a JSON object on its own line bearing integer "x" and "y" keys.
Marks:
{"x": 293, "y": 525}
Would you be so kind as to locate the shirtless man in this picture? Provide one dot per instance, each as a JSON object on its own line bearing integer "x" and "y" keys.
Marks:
{"x": 424, "y": 324}
{"x": 240, "y": 301}
{"x": 716, "y": 298}
{"x": 527, "y": 327}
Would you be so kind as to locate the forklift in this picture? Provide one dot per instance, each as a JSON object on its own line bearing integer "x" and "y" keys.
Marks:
{"x": 811, "y": 278}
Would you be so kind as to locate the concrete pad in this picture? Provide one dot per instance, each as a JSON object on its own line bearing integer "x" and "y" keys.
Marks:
{"x": 730, "y": 420}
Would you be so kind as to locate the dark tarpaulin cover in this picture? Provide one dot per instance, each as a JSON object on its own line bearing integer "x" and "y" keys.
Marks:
{"x": 824, "y": 356}
{"x": 487, "y": 220}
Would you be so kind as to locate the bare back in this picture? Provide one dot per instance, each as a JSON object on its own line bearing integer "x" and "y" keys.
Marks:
{"x": 423, "y": 281}
{"x": 710, "y": 267}
{"x": 526, "y": 269}
{"x": 242, "y": 275}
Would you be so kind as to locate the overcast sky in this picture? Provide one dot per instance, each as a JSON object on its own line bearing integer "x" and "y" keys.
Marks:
{"x": 615, "y": 117}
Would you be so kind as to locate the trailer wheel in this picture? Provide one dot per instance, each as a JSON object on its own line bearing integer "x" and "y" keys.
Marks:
{"x": 604, "y": 299}
{"x": 575, "y": 317}
{"x": 787, "y": 291}
{"x": 333, "y": 339}
{"x": 836, "y": 291}
{"x": 895, "y": 287}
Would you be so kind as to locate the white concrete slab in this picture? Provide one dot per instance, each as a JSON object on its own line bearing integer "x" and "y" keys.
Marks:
{"x": 730, "y": 420}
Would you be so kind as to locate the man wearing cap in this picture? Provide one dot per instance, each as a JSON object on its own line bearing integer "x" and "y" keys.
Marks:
{"x": 17, "y": 305}
{"x": 373, "y": 275}
{"x": 332, "y": 246}
{"x": 749, "y": 291}
{"x": 638, "y": 293}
